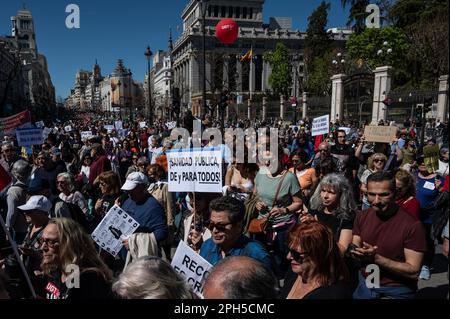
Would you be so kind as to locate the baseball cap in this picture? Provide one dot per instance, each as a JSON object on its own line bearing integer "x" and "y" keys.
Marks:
{"x": 133, "y": 180}
{"x": 37, "y": 202}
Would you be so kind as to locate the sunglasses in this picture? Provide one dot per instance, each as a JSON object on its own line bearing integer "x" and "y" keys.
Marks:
{"x": 378, "y": 160}
{"x": 297, "y": 256}
{"x": 219, "y": 227}
{"x": 49, "y": 242}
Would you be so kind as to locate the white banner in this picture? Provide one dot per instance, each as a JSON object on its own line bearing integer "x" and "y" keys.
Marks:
{"x": 321, "y": 125}
{"x": 195, "y": 170}
{"x": 116, "y": 226}
{"x": 118, "y": 125}
{"x": 86, "y": 135}
{"x": 29, "y": 137}
{"x": 193, "y": 267}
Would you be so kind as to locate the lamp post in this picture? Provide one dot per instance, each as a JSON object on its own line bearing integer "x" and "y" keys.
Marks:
{"x": 203, "y": 12}
{"x": 384, "y": 52}
{"x": 148, "y": 54}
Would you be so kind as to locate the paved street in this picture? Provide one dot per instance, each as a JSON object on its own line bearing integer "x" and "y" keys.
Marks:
{"x": 437, "y": 286}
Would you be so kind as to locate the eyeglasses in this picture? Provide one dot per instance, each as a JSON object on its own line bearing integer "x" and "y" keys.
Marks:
{"x": 60, "y": 182}
{"x": 219, "y": 227}
{"x": 49, "y": 242}
{"x": 378, "y": 160}
{"x": 297, "y": 256}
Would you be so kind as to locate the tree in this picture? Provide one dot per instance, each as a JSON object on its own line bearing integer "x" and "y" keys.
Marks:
{"x": 317, "y": 45}
{"x": 319, "y": 81}
{"x": 365, "y": 46}
{"x": 357, "y": 15}
{"x": 281, "y": 77}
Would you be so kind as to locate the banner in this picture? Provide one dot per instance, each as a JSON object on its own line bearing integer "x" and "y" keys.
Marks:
{"x": 8, "y": 124}
{"x": 380, "y": 134}
{"x": 118, "y": 125}
{"x": 29, "y": 137}
{"x": 85, "y": 135}
{"x": 193, "y": 267}
{"x": 109, "y": 128}
{"x": 116, "y": 226}
{"x": 321, "y": 125}
{"x": 195, "y": 170}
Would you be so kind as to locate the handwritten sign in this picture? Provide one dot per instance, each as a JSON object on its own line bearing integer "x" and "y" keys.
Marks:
{"x": 29, "y": 137}
{"x": 321, "y": 125}
{"x": 116, "y": 226}
{"x": 195, "y": 171}
{"x": 193, "y": 267}
{"x": 380, "y": 134}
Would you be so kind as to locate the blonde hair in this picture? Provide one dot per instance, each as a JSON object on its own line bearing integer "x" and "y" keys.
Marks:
{"x": 376, "y": 156}
{"x": 76, "y": 247}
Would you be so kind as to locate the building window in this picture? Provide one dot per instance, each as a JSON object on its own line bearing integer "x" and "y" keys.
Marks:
{"x": 230, "y": 12}
{"x": 250, "y": 13}
{"x": 167, "y": 82}
{"x": 223, "y": 12}
{"x": 238, "y": 12}
{"x": 209, "y": 11}
{"x": 216, "y": 11}
{"x": 244, "y": 13}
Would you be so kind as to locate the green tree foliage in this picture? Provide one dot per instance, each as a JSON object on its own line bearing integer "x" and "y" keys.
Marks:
{"x": 317, "y": 46}
{"x": 357, "y": 15}
{"x": 366, "y": 45}
{"x": 319, "y": 81}
{"x": 281, "y": 77}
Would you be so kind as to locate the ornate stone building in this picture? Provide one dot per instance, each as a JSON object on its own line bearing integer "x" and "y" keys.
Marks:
{"x": 224, "y": 70}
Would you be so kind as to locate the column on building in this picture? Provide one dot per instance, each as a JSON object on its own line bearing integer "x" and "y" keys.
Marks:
{"x": 239, "y": 72}
{"x": 282, "y": 107}
{"x": 442, "y": 107}
{"x": 304, "y": 105}
{"x": 337, "y": 97}
{"x": 382, "y": 86}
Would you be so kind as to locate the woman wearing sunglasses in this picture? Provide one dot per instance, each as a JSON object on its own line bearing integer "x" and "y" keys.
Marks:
{"x": 317, "y": 263}
{"x": 376, "y": 163}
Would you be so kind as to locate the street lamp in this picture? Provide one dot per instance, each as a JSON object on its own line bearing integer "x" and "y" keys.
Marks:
{"x": 148, "y": 54}
{"x": 203, "y": 8}
{"x": 384, "y": 52}
{"x": 339, "y": 62}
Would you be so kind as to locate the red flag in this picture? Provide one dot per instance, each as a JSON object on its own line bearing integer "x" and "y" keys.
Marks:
{"x": 5, "y": 178}
{"x": 319, "y": 139}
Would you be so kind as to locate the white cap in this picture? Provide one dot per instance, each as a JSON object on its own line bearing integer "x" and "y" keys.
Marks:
{"x": 37, "y": 202}
{"x": 133, "y": 180}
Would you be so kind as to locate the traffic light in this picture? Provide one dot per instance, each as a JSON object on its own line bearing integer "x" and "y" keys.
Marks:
{"x": 427, "y": 105}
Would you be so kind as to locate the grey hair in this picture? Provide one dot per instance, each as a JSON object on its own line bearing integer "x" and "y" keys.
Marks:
{"x": 21, "y": 170}
{"x": 347, "y": 206}
{"x": 69, "y": 179}
{"x": 6, "y": 145}
{"x": 242, "y": 277}
{"x": 151, "y": 277}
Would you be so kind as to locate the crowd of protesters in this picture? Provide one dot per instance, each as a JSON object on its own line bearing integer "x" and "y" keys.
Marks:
{"x": 311, "y": 228}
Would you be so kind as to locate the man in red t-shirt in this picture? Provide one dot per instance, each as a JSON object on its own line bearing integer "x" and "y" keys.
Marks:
{"x": 388, "y": 242}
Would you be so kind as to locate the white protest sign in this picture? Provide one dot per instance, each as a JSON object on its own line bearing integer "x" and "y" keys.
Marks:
{"x": 109, "y": 128}
{"x": 85, "y": 135}
{"x": 116, "y": 226}
{"x": 40, "y": 124}
{"x": 321, "y": 125}
{"x": 68, "y": 128}
{"x": 195, "y": 170}
{"x": 118, "y": 125}
{"x": 346, "y": 129}
{"x": 122, "y": 132}
{"x": 29, "y": 137}
{"x": 142, "y": 124}
{"x": 193, "y": 267}
{"x": 171, "y": 125}
{"x": 47, "y": 130}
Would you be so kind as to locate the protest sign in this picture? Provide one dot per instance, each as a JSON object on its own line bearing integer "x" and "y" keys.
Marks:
{"x": 118, "y": 125}
{"x": 321, "y": 125}
{"x": 431, "y": 157}
{"x": 122, "y": 133}
{"x": 45, "y": 132}
{"x": 142, "y": 124}
{"x": 195, "y": 170}
{"x": 86, "y": 135}
{"x": 109, "y": 128}
{"x": 193, "y": 267}
{"x": 380, "y": 134}
{"x": 40, "y": 124}
{"x": 29, "y": 137}
{"x": 9, "y": 124}
{"x": 345, "y": 129}
{"x": 116, "y": 226}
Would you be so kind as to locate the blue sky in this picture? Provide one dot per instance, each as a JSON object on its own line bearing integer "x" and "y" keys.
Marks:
{"x": 122, "y": 29}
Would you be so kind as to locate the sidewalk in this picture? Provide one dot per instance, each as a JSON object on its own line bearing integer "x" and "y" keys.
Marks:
{"x": 437, "y": 286}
